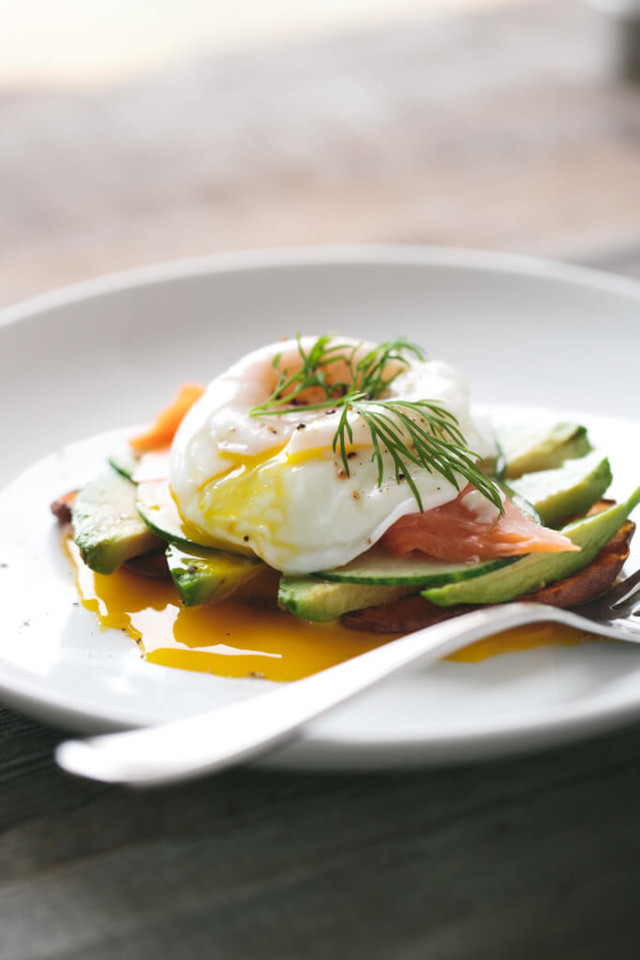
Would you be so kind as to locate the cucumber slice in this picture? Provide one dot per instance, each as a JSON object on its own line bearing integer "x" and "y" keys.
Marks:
{"x": 152, "y": 465}
{"x": 382, "y": 568}
{"x": 158, "y": 509}
{"x": 124, "y": 462}
{"x": 202, "y": 576}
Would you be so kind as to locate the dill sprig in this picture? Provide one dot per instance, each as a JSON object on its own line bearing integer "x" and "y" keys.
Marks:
{"x": 368, "y": 375}
{"x": 420, "y": 433}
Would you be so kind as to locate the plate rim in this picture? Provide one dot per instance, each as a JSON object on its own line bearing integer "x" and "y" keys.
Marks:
{"x": 317, "y": 255}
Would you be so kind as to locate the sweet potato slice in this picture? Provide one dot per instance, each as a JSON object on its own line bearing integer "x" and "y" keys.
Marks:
{"x": 403, "y": 616}
{"x": 413, "y": 613}
{"x": 61, "y": 507}
{"x": 596, "y": 577}
{"x": 153, "y": 564}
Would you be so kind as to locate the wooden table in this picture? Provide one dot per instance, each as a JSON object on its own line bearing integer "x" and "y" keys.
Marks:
{"x": 506, "y": 130}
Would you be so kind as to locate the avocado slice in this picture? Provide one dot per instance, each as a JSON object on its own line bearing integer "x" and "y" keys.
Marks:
{"x": 536, "y": 570}
{"x": 569, "y": 490}
{"x": 322, "y": 600}
{"x": 107, "y": 527}
{"x": 538, "y": 446}
{"x": 202, "y": 576}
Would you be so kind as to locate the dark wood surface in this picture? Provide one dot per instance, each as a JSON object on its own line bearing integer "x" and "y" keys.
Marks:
{"x": 529, "y": 858}
{"x": 506, "y": 130}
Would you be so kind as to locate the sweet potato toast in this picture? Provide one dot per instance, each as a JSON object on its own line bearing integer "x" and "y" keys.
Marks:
{"x": 61, "y": 507}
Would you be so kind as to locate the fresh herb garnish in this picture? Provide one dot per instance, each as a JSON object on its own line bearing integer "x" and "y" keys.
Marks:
{"x": 366, "y": 376}
{"x": 420, "y": 433}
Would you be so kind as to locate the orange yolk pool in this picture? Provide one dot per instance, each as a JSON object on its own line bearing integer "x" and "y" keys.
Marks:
{"x": 236, "y": 638}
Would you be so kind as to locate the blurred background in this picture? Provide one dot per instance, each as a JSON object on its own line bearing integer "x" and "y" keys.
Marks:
{"x": 133, "y": 132}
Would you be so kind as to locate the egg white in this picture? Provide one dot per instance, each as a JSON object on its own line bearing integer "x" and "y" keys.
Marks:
{"x": 273, "y": 485}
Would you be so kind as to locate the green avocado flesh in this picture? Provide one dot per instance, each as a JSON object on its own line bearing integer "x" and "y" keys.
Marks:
{"x": 321, "y": 600}
{"x": 202, "y": 576}
{"x": 535, "y": 571}
{"x": 528, "y": 448}
{"x": 569, "y": 490}
{"x": 106, "y": 525}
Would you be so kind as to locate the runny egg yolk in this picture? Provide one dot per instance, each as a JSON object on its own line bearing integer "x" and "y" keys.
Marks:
{"x": 250, "y": 496}
{"x": 236, "y": 638}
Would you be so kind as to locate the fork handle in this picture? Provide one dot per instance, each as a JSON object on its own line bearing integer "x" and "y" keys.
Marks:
{"x": 217, "y": 739}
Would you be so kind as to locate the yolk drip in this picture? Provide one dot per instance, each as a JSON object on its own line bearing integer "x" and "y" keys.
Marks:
{"x": 251, "y": 638}
{"x": 230, "y": 638}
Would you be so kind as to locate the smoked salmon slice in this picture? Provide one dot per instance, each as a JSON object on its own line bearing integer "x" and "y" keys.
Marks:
{"x": 455, "y": 532}
{"x": 162, "y": 431}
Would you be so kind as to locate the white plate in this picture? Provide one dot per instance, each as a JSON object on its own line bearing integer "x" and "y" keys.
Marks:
{"x": 106, "y": 354}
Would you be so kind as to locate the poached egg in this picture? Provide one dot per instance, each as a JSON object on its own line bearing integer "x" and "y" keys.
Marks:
{"x": 273, "y": 485}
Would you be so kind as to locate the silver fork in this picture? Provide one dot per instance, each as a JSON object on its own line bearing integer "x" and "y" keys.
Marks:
{"x": 202, "y": 743}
